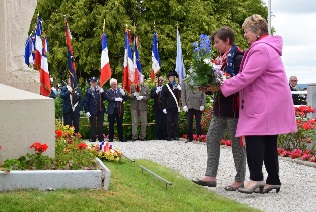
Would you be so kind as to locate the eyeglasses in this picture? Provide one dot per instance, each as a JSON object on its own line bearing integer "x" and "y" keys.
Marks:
{"x": 293, "y": 80}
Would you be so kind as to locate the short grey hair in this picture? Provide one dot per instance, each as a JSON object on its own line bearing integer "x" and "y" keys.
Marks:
{"x": 113, "y": 80}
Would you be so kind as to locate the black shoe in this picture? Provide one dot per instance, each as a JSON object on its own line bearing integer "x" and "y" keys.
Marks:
{"x": 142, "y": 139}
{"x": 205, "y": 183}
{"x": 123, "y": 140}
{"x": 92, "y": 140}
{"x": 176, "y": 139}
{"x": 133, "y": 140}
{"x": 189, "y": 140}
{"x": 168, "y": 139}
{"x": 110, "y": 140}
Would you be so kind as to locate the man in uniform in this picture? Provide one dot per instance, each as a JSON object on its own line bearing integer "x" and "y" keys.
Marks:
{"x": 115, "y": 97}
{"x": 193, "y": 102}
{"x": 95, "y": 109}
{"x": 72, "y": 105}
{"x": 170, "y": 98}
{"x": 139, "y": 109}
{"x": 160, "y": 117}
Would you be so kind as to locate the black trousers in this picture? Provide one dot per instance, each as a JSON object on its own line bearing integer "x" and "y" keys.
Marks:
{"x": 198, "y": 115}
{"x": 172, "y": 123}
{"x": 161, "y": 125}
{"x": 263, "y": 149}
{"x": 119, "y": 120}
{"x": 72, "y": 119}
{"x": 97, "y": 120}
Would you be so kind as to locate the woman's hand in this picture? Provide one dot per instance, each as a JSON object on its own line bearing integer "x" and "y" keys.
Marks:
{"x": 213, "y": 88}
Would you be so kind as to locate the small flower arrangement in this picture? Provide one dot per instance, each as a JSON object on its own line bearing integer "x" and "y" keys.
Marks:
{"x": 105, "y": 152}
{"x": 203, "y": 71}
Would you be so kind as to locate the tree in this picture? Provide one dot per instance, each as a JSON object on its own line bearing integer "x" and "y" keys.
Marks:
{"x": 85, "y": 18}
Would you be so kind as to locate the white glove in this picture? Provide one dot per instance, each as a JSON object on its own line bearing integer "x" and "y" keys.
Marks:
{"x": 139, "y": 97}
{"x": 201, "y": 108}
{"x": 69, "y": 88}
{"x": 88, "y": 114}
{"x": 158, "y": 89}
{"x": 185, "y": 108}
{"x": 136, "y": 94}
{"x": 179, "y": 87}
{"x": 80, "y": 112}
{"x": 164, "y": 111}
{"x": 101, "y": 90}
{"x": 122, "y": 91}
{"x": 118, "y": 99}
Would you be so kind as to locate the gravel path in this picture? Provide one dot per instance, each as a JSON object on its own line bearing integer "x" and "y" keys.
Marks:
{"x": 298, "y": 191}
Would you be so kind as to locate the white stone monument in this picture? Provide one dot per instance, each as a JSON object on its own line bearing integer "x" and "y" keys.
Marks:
{"x": 25, "y": 116}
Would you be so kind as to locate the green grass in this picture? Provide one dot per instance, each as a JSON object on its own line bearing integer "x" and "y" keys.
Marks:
{"x": 130, "y": 190}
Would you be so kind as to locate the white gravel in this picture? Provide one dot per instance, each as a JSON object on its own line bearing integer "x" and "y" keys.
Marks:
{"x": 298, "y": 191}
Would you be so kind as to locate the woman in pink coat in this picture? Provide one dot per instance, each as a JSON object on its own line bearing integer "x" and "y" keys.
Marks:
{"x": 266, "y": 107}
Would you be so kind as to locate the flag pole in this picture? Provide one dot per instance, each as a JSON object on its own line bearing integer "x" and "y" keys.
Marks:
{"x": 269, "y": 16}
{"x": 177, "y": 42}
{"x": 103, "y": 25}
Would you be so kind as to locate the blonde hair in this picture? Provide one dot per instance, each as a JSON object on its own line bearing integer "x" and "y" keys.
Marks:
{"x": 256, "y": 23}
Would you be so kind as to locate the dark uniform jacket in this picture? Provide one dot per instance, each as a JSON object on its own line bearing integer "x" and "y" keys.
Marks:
{"x": 66, "y": 96}
{"x": 110, "y": 97}
{"x": 157, "y": 100}
{"x": 228, "y": 106}
{"x": 93, "y": 101}
{"x": 167, "y": 100}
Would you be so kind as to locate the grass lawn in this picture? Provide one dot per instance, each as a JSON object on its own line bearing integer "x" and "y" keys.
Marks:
{"x": 130, "y": 190}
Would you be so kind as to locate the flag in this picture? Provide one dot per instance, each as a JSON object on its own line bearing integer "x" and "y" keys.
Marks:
{"x": 156, "y": 64}
{"x": 71, "y": 59}
{"x": 128, "y": 64}
{"x": 28, "y": 55}
{"x": 45, "y": 88}
{"x": 138, "y": 68}
{"x": 179, "y": 60}
{"x": 38, "y": 44}
{"x": 106, "y": 73}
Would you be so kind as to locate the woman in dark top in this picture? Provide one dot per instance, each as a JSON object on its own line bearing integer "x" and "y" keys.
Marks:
{"x": 225, "y": 114}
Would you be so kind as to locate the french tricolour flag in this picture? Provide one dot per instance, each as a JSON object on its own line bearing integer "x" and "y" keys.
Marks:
{"x": 38, "y": 44}
{"x": 105, "y": 62}
{"x": 128, "y": 64}
{"x": 156, "y": 64}
{"x": 138, "y": 67}
{"x": 45, "y": 88}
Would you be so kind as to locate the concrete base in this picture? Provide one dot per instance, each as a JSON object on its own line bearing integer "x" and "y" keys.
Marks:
{"x": 56, "y": 179}
{"x": 25, "y": 118}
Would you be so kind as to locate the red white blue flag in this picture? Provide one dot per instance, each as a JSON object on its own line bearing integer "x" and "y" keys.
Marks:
{"x": 38, "y": 44}
{"x": 156, "y": 64}
{"x": 105, "y": 62}
{"x": 45, "y": 88}
{"x": 127, "y": 64}
{"x": 139, "y": 79}
{"x": 71, "y": 59}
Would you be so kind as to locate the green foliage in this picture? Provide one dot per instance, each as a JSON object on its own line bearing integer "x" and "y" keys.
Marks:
{"x": 58, "y": 107}
{"x": 85, "y": 18}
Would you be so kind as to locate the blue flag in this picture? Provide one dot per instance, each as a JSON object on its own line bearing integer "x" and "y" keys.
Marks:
{"x": 179, "y": 60}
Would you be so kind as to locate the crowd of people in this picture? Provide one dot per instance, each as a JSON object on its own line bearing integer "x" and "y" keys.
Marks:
{"x": 255, "y": 105}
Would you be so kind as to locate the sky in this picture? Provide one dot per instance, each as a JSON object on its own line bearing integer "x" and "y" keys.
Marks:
{"x": 295, "y": 21}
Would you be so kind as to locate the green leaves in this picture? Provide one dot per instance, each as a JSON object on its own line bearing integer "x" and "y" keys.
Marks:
{"x": 85, "y": 18}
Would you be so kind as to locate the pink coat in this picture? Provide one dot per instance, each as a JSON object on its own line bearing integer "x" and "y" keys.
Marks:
{"x": 266, "y": 105}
